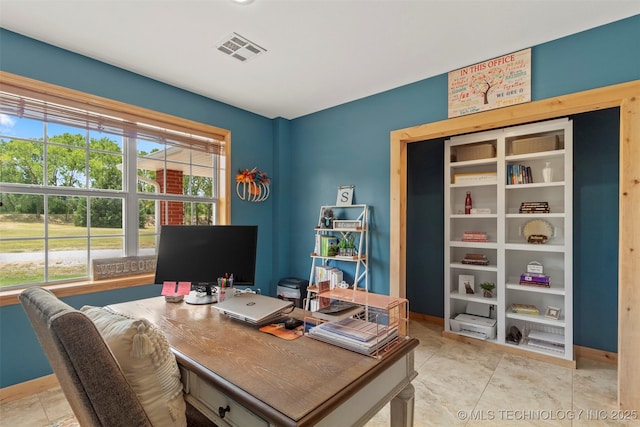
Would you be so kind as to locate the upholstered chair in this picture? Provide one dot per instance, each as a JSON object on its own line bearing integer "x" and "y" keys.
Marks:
{"x": 89, "y": 374}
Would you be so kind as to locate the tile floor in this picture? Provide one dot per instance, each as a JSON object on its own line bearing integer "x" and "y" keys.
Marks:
{"x": 457, "y": 385}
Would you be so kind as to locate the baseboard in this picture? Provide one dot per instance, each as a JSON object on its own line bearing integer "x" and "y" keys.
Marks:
{"x": 595, "y": 354}
{"x": 427, "y": 318}
{"x": 27, "y": 388}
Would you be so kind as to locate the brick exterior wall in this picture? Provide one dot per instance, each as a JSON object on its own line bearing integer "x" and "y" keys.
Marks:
{"x": 174, "y": 186}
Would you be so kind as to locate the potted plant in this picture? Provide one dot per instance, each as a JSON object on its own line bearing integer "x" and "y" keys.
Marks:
{"x": 342, "y": 247}
{"x": 487, "y": 289}
{"x": 351, "y": 246}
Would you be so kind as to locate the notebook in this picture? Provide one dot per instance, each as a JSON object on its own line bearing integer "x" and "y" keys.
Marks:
{"x": 255, "y": 308}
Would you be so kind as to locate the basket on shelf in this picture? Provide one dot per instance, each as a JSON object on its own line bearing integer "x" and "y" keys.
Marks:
{"x": 476, "y": 151}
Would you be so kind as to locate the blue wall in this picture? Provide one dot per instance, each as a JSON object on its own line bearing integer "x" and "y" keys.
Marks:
{"x": 596, "y": 155}
{"x": 309, "y": 157}
{"x": 21, "y": 358}
{"x": 425, "y": 223}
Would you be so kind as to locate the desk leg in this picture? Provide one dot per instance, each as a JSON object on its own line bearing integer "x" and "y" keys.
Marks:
{"x": 402, "y": 407}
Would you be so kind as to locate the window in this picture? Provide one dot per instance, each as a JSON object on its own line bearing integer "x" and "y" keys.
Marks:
{"x": 83, "y": 177}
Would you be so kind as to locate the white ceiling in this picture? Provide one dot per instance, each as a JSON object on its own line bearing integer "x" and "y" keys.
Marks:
{"x": 320, "y": 53}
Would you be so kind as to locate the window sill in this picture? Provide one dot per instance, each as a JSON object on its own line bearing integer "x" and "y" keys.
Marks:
{"x": 10, "y": 297}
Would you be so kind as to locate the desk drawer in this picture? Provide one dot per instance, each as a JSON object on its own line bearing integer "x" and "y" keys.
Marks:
{"x": 209, "y": 399}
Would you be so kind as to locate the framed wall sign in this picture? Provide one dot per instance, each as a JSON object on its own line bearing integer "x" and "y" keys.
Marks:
{"x": 496, "y": 83}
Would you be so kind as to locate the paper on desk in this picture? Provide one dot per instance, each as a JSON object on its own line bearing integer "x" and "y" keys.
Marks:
{"x": 170, "y": 288}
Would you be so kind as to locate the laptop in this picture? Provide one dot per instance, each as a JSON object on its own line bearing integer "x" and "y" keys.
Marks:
{"x": 255, "y": 308}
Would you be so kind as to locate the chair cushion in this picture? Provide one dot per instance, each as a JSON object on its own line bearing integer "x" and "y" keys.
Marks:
{"x": 150, "y": 367}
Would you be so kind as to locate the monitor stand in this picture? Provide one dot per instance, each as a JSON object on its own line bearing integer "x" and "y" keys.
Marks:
{"x": 200, "y": 299}
{"x": 202, "y": 295}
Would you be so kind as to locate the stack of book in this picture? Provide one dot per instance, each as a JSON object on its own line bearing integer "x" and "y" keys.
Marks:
{"x": 355, "y": 334}
{"x": 474, "y": 236}
{"x": 519, "y": 174}
{"x": 475, "y": 259}
{"x": 525, "y": 309}
{"x": 329, "y": 274}
{"x": 534, "y": 207}
{"x": 535, "y": 279}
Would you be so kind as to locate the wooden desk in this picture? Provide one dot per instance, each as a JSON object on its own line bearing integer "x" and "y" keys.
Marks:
{"x": 268, "y": 381}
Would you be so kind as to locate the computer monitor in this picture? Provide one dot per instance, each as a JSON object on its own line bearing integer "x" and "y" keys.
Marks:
{"x": 200, "y": 254}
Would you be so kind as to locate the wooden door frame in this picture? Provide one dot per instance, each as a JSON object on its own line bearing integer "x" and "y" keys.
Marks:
{"x": 625, "y": 96}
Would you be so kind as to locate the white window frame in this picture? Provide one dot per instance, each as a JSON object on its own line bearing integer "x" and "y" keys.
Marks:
{"x": 132, "y": 114}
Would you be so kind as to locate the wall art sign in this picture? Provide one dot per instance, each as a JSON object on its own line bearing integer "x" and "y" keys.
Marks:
{"x": 108, "y": 268}
{"x": 496, "y": 83}
{"x": 345, "y": 195}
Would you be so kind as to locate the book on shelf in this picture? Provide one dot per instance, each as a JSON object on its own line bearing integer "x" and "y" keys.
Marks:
{"x": 331, "y": 274}
{"x": 475, "y": 178}
{"x": 534, "y": 207}
{"x": 477, "y": 211}
{"x": 474, "y": 236}
{"x": 519, "y": 174}
{"x": 546, "y": 336}
{"x": 475, "y": 259}
{"x": 322, "y": 302}
{"x": 535, "y": 284}
{"x": 535, "y": 279}
{"x": 525, "y": 309}
{"x": 546, "y": 345}
{"x": 326, "y": 243}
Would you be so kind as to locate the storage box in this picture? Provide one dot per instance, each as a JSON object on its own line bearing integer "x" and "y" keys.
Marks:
{"x": 480, "y": 150}
{"x": 534, "y": 145}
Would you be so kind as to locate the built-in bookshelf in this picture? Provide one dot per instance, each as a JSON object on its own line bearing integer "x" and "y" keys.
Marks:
{"x": 519, "y": 180}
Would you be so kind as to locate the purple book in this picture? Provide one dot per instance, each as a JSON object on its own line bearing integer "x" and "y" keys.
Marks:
{"x": 534, "y": 277}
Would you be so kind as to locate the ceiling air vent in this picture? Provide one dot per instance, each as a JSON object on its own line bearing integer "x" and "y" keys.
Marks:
{"x": 239, "y": 47}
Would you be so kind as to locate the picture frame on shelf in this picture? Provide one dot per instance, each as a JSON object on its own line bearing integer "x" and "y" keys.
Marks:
{"x": 552, "y": 312}
{"x": 466, "y": 284}
{"x": 535, "y": 267}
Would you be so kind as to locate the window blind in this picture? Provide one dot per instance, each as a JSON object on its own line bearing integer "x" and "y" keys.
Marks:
{"x": 22, "y": 102}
